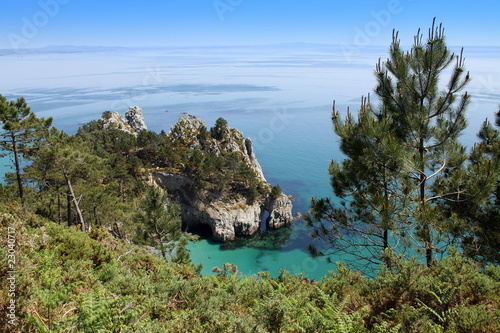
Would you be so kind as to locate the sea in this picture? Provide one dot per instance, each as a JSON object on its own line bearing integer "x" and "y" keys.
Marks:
{"x": 279, "y": 95}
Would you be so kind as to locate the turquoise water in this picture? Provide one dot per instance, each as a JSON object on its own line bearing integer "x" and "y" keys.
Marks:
{"x": 300, "y": 172}
{"x": 280, "y": 96}
{"x": 5, "y": 166}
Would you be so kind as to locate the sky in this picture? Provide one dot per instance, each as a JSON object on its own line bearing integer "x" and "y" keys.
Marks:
{"x": 39, "y": 23}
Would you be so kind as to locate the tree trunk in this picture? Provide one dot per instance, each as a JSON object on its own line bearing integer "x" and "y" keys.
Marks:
{"x": 18, "y": 167}
{"x": 428, "y": 249}
{"x": 163, "y": 252}
{"x": 159, "y": 236}
{"x": 97, "y": 220}
{"x": 384, "y": 222}
{"x": 59, "y": 207}
{"x": 68, "y": 207}
{"x": 75, "y": 202}
{"x": 427, "y": 231}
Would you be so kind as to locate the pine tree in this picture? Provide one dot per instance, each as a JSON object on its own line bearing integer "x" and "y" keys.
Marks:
{"x": 367, "y": 182}
{"x": 428, "y": 119}
{"x": 21, "y": 129}
{"x": 221, "y": 129}
{"x": 69, "y": 161}
{"x": 477, "y": 219}
{"x": 417, "y": 166}
{"x": 161, "y": 225}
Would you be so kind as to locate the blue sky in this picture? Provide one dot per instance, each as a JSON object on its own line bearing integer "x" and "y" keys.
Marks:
{"x": 37, "y": 23}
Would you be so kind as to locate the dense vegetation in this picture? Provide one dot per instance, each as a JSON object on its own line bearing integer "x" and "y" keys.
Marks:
{"x": 214, "y": 158}
{"x": 71, "y": 281}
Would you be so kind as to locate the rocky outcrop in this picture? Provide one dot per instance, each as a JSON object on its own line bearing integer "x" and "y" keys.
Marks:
{"x": 252, "y": 159}
{"x": 133, "y": 121}
{"x": 187, "y": 131}
{"x": 227, "y": 218}
{"x": 231, "y": 214}
{"x": 188, "y": 128}
{"x": 280, "y": 211}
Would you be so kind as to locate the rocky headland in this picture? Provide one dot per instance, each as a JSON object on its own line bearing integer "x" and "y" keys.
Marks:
{"x": 216, "y": 178}
{"x": 229, "y": 213}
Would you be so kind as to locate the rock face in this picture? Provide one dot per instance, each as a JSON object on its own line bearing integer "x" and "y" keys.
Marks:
{"x": 280, "y": 211}
{"x": 252, "y": 159}
{"x": 132, "y": 122}
{"x": 228, "y": 216}
{"x": 135, "y": 119}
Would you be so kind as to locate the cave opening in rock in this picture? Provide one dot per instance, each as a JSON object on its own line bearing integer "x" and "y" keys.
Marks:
{"x": 263, "y": 220}
{"x": 202, "y": 230}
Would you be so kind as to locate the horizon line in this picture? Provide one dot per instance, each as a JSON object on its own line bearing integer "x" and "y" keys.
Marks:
{"x": 55, "y": 47}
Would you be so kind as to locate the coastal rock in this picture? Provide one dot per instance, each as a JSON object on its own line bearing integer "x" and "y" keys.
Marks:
{"x": 226, "y": 218}
{"x": 113, "y": 120}
{"x": 280, "y": 211}
{"x": 133, "y": 121}
{"x": 231, "y": 219}
{"x": 231, "y": 212}
{"x": 187, "y": 131}
{"x": 252, "y": 160}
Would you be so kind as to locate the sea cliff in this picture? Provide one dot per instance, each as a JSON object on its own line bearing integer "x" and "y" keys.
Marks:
{"x": 228, "y": 217}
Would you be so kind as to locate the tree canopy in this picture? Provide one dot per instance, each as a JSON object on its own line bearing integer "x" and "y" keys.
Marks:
{"x": 20, "y": 130}
{"x": 405, "y": 168}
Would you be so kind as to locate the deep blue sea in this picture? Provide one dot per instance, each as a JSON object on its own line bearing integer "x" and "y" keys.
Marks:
{"x": 278, "y": 95}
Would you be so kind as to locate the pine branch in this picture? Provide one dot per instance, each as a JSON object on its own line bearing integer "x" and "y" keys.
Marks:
{"x": 445, "y": 197}
{"x": 438, "y": 171}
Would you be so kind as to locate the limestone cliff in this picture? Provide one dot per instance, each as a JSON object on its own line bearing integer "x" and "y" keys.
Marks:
{"x": 227, "y": 217}
{"x": 229, "y": 213}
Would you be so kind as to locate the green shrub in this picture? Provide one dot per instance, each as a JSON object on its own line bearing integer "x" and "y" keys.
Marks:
{"x": 79, "y": 282}
{"x": 275, "y": 192}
